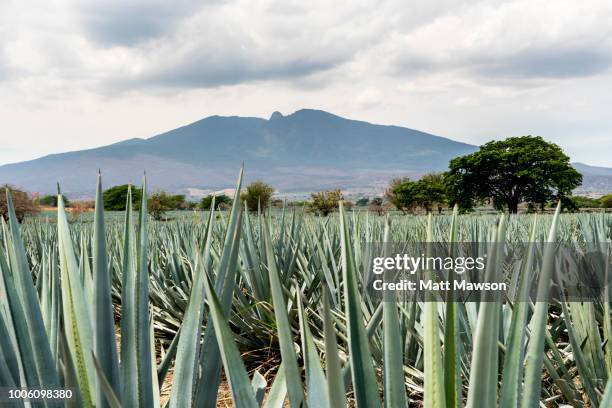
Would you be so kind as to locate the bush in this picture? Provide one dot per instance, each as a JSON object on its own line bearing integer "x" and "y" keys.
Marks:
{"x": 51, "y": 200}
{"x": 24, "y": 204}
{"x": 257, "y": 195}
{"x": 115, "y": 198}
{"x": 159, "y": 203}
{"x": 220, "y": 201}
{"x": 324, "y": 202}
{"x": 606, "y": 201}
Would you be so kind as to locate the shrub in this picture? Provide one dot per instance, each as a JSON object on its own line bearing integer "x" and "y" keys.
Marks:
{"x": 606, "y": 201}
{"x": 257, "y": 195}
{"x": 206, "y": 202}
{"x": 159, "y": 203}
{"x": 114, "y": 198}
{"x": 325, "y": 202}
{"x": 23, "y": 203}
{"x": 51, "y": 200}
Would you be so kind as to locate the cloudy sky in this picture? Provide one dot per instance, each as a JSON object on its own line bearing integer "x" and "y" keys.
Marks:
{"x": 82, "y": 73}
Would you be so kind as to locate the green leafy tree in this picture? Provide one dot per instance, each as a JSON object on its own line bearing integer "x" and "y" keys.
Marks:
{"x": 257, "y": 194}
{"x": 400, "y": 194}
{"x": 429, "y": 192}
{"x": 220, "y": 200}
{"x": 159, "y": 203}
{"x": 606, "y": 201}
{"x": 114, "y": 198}
{"x": 325, "y": 202}
{"x": 511, "y": 171}
{"x": 178, "y": 201}
{"x": 51, "y": 200}
{"x": 585, "y": 202}
{"x": 377, "y": 205}
{"x": 362, "y": 202}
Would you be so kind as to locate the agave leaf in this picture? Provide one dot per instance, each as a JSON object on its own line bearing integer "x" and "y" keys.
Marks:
{"x": 434, "y": 394}
{"x": 362, "y": 369}
{"x": 535, "y": 348}
{"x": 278, "y": 391}
{"x": 513, "y": 358}
{"x": 394, "y": 385}
{"x": 39, "y": 367}
{"x": 210, "y": 359}
{"x": 105, "y": 343}
{"x": 77, "y": 321}
{"x": 186, "y": 367}
{"x": 237, "y": 376}
{"x": 294, "y": 381}
{"x": 315, "y": 379}
{"x": 335, "y": 382}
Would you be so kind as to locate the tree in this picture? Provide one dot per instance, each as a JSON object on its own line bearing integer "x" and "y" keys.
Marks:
{"x": 606, "y": 201}
{"x": 400, "y": 194}
{"x": 376, "y": 205}
{"x": 585, "y": 202}
{"x": 362, "y": 202}
{"x": 511, "y": 171}
{"x": 257, "y": 195}
{"x": 115, "y": 198}
{"x": 178, "y": 202}
{"x": 51, "y": 200}
{"x": 429, "y": 191}
{"x": 206, "y": 202}
{"x": 159, "y": 203}
{"x": 324, "y": 202}
{"x": 23, "y": 204}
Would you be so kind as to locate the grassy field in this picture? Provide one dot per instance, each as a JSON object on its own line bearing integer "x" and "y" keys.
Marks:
{"x": 119, "y": 306}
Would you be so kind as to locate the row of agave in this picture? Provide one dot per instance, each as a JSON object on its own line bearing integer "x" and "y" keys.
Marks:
{"x": 196, "y": 296}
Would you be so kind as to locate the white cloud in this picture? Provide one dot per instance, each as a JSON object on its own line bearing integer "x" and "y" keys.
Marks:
{"x": 79, "y": 73}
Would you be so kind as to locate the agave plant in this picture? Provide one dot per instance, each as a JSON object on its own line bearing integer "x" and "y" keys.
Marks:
{"x": 121, "y": 309}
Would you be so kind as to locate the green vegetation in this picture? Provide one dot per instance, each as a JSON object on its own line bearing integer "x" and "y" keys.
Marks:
{"x": 160, "y": 203}
{"x": 257, "y": 195}
{"x": 511, "y": 171}
{"x": 115, "y": 198}
{"x": 427, "y": 193}
{"x": 325, "y": 202}
{"x": 606, "y": 201}
{"x": 226, "y": 293}
{"x": 51, "y": 201}
{"x": 220, "y": 201}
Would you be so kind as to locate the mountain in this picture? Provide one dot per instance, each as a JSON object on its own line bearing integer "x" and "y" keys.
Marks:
{"x": 304, "y": 151}
{"x": 595, "y": 180}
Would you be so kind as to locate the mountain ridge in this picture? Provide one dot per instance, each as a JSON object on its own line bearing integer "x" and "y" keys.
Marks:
{"x": 306, "y": 150}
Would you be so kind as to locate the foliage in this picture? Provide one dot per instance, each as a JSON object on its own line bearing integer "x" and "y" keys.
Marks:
{"x": 220, "y": 200}
{"x": 195, "y": 297}
{"x": 115, "y": 197}
{"x": 429, "y": 191}
{"x": 257, "y": 195}
{"x": 362, "y": 202}
{"x": 177, "y": 202}
{"x": 399, "y": 194}
{"x": 584, "y": 202}
{"x": 161, "y": 202}
{"x": 511, "y": 171}
{"x": 51, "y": 200}
{"x": 325, "y": 202}
{"x": 606, "y": 201}
{"x": 377, "y": 205}
{"x": 24, "y": 204}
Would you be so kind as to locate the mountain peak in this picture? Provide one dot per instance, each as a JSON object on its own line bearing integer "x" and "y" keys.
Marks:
{"x": 276, "y": 115}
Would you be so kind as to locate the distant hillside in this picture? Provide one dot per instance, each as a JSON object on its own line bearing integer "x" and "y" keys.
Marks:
{"x": 596, "y": 180}
{"x": 304, "y": 151}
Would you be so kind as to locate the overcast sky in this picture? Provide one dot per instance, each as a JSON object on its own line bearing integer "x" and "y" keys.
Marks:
{"x": 82, "y": 73}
